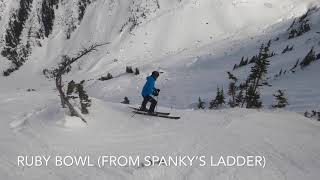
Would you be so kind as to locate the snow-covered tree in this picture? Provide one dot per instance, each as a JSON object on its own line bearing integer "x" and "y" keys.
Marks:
{"x": 12, "y": 50}
{"x": 219, "y": 100}
{"x": 257, "y": 78}
{"x": 201, "y": 104}
{"x": 136, "y": 72}
{"x": 281, "y": 99}
{"x": 63, "y": 68}
{"x": 104, "y": 78}
{"x": 125, "y": 100}
{"x": 129, "y": 69}
{"x": 48, "y": 15}
{"x": 232, "y": 90}
{"x": 310, "y": 57}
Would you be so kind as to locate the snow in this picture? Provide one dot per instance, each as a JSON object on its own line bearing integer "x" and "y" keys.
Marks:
{"x": 194, "y": 43}
{"x": 285, "y": 139}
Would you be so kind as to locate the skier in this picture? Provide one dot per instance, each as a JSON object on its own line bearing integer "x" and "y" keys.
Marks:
{"x": 148, "y": 90}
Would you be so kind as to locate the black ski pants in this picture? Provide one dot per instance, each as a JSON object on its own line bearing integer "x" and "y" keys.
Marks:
{"x": 147, "y": 99}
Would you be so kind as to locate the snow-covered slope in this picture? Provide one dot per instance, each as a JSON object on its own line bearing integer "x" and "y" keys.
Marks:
{"x": 194, "y": 43}
{"x": 38, "y": 126}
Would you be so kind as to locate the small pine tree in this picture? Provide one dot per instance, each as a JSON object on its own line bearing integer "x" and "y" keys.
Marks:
{"x": 222, "y": 98}
{"x": 70, "y": 90}
{"x": 201, "y": 104}
{"x": 286, "y": 49}
{"x": 310, "y": 57}
{"x": 219, "y": 99}
{"x": 253, "y": 59}
{"x": 104, "y": 78}
{"x": 235, "y": 67}
{"x": 232, "y": 77}
{"x": 306, "y": 114}
{"x": 313, "y": 114}
{"x": 129, "y": 69}
{"x": 242, "y": 62}
{"x": 295, "y": 66}
{"x": 137, "y": 72}
{"x": 239, "y": 99}
{"x": 125, "y": 100}
{"x": 85, "y": 102}
{"x": 76, "y": 90}
{"x": 257, "y": 78}
{"x": 246, "y": 61}
{"x": 232, "y": 90}
{"x": 252, "y": 97}
{"x": 269, "y": 44}
{"x": 281, "y": 99}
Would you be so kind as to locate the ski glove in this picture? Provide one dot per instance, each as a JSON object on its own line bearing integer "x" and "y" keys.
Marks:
{"x": 156, "y": 92}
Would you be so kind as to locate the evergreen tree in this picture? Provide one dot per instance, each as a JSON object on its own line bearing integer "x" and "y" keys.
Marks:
{"x": 252, "y": 97}
{"x": 235, "y": 66}
{"x": 257, "y": 78}
{"x": 285, "y": 49}
{"x": 48, "y": 15}
{"x": 104, "y": 78}
{"x": 295, "y": 66}
{"x": 312, "y": 114}
{"x": 281, "y": 99}
{"x": 12, "y": 49}
{"x": 125, "y": 100}
{"x": 219, "y": 99}
{"x": 239, "y": 99}
{"x": 71, "y": 89}
{"x": 82, "y": 5}
{"x": 137, "y": 72}
{"x": 85, "y": 102}
{"x": 269, "y": 44}
{"x": 310, "y": 57}
{"x": 253, "y": 59}
{"x": 246, "y": 61}
{"x": 63, "y": 68}
{"x": 76, "y": 90}
{"x": 232, "y": 90}
{"x": 129, "y": 69}
{"x": 201, "y": 104}
{"x": 242, "y": 62}
{"x": 232, "y": 77}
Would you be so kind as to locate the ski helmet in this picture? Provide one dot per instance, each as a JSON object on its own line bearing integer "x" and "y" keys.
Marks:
{"x": 155, "y": 74}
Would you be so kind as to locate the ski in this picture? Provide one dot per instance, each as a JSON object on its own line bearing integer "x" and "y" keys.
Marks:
{"x": 161, "y": 113}
{"x": 156, "y": 115}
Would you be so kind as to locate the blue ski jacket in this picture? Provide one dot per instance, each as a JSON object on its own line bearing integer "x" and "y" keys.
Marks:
{"x": 149, "y": 88}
